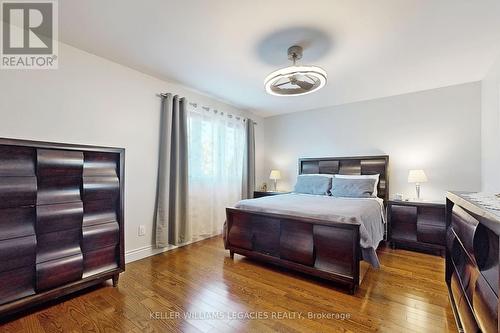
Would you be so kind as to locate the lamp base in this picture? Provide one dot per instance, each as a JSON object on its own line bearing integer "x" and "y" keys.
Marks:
{"x": 417, "y": 189}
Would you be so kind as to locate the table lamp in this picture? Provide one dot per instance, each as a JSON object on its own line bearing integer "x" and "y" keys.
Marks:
{"x": 275, "y": 175}
{"x": 417, "y": 177}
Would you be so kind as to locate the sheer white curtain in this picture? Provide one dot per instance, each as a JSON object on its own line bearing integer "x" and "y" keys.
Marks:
{"x": 216, "y": 146}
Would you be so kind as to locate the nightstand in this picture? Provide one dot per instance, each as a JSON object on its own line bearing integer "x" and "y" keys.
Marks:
{"x": 417, "y": 225}
{"x": 260, "y": 194}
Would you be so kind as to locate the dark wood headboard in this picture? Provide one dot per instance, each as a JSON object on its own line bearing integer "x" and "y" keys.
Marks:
{"x": 357, "y": 165}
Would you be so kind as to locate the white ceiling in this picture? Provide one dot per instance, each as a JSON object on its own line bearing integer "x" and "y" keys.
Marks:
{"x": 225, "y": 48}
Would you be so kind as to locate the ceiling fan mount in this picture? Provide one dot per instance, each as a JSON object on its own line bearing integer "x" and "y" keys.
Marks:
{"x": 295, "y": 53}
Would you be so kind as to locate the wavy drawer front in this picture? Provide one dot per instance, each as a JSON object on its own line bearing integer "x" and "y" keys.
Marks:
{"x": 100, "y": 260}
{"x": 58, "y": 272}
{"x": 485, "y": 252}
{"x": 101, "y": 188}
{"x": 100, "y": 164}
{"x": 17, "y": 252}
{"x": 17, "y": 161}
{"x": 59, "y": 176}
{"x": 59, "y": 244}
{"x": 464, "y": 226}
{"x": 99, "y": 236}
{"x": 65, "y": 163}
{"x": 17, "y": 222}
{"x": 17, "y": 191}
{"x": 99, "y": 212}
{"x": 463, "y": 266}
{"x": 54, "y": 190}
{"x": 16, "y": 284}
{"x": 50, "y": 218}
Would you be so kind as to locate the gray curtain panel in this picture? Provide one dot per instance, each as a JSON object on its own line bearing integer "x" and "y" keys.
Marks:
{"x": 249, "y": 163}
{"x": 172, "y": 192}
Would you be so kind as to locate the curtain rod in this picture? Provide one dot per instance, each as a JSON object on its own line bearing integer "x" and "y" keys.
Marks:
{"x": 206, "y": 108}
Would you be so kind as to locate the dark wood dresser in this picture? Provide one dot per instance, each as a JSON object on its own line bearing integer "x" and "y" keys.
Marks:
{"x": 417, "y": 225}
{"x": 61, "y": 220}
{"x": 472, "y": 263}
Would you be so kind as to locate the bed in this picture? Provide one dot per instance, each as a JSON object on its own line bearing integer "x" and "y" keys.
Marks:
{"x": 322, "y": 236}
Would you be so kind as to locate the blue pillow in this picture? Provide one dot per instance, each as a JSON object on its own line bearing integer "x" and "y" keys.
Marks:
{"x": 319, "y": 185}
{"x": 353, "y": 188}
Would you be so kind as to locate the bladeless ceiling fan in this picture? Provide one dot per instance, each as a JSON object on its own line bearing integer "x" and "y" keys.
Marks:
{"x": 295, "y": 80}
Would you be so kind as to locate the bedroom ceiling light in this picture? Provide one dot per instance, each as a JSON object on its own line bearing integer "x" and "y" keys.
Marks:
{"x": 295, "y": 80}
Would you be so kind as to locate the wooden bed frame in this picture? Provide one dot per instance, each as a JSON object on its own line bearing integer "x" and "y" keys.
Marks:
{"x": 325, "y": 249}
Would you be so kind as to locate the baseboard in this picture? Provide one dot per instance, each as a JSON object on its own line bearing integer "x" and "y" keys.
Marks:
{"x": 144, "y": 252}
{"x": 148, "y": 251}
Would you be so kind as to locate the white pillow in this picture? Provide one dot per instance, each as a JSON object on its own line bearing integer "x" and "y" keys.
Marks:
{"x": 376, "y": 177}
{"x": 329, "y": 175}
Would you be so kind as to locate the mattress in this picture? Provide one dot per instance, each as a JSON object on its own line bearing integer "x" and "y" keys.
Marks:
{"x": 368, "y": 213}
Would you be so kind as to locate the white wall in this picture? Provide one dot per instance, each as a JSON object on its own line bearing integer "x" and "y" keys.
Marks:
{"x": 436, "y": 130}
{"x": 490, "y": 130}
{"x": 90, "y": 100}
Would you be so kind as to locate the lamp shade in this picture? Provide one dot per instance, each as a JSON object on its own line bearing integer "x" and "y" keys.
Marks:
{"x": 417, "y": 176}
{"x": 275, "y": 174}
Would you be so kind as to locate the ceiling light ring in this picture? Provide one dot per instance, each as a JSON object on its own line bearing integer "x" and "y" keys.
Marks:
{"x": 317, "y": 75}
{"x": 316, "y": 72}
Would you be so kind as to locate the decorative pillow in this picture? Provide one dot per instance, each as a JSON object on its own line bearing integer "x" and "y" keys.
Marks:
{"x": 352, "y": 188}
{"x": 313, "y": 184}
{"x": 376, "y": 177}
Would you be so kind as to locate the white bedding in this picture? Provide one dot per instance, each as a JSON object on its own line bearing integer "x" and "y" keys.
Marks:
{"x": 367, "y": 212}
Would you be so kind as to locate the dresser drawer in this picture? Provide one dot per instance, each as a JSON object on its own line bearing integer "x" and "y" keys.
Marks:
{"x": 16, "y": 284}
{"x": 464, "y": 226}
{"x": 431, "y": 233}
{"x": 485, "y": 305}
{"x": 404, "y": 222}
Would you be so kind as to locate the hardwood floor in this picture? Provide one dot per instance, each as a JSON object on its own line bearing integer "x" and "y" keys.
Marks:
{"x": 407, "y": 294}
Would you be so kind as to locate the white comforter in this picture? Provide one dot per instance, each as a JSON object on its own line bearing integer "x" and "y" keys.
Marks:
{"x": 367, "y": 212}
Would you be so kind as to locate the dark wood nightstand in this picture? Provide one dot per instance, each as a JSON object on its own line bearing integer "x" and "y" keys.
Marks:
{"x": 260, "y": 194}
{"x": 417, "y": 225}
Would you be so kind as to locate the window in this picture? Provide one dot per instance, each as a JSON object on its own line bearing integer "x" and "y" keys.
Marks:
{"x": 216, "y": 146}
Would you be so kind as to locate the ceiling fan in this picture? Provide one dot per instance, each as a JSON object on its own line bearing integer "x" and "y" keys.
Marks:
{"x": 295, "y": 80}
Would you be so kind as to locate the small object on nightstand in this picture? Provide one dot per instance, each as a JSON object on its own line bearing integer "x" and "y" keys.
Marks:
{"x": 417, "y": 177}
{"x": 275, "y": 175}
{"x": 263, "y": 188}
{"x": 417, "y": 225}
{"x": 260, "y": 194}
